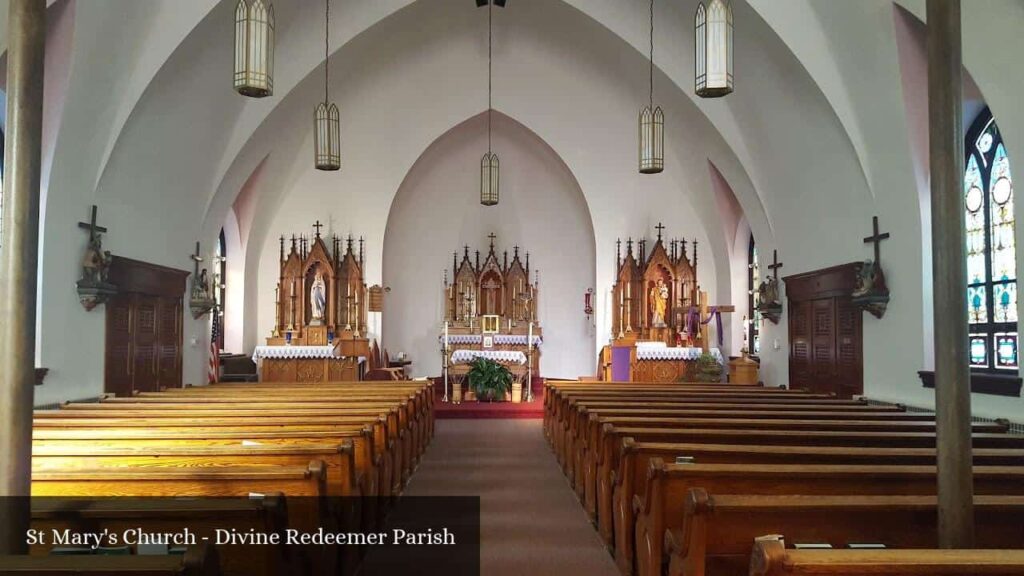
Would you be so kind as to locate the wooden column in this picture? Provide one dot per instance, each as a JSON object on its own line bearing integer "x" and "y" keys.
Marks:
{"x": 19, "y": 246}
{"x": 949, "y": 276}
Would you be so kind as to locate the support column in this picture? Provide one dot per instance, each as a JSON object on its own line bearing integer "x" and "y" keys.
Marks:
{"x": 19, "y": 246}
{"x": 949, "y": 276}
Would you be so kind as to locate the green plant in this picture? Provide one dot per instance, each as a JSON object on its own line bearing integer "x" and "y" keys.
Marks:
{"x": 489, "y": 380}
{"x": 708, "y": 369}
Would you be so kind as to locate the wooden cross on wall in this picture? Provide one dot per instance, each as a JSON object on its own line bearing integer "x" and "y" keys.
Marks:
{"x": 197, "y": 259}
{"x": 876, "y": 238}
{"x": 775, "y": 265}
{"x": 91, "y": 226}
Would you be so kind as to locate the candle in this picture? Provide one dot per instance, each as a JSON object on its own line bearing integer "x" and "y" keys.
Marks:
{"x": 293, "y": 287}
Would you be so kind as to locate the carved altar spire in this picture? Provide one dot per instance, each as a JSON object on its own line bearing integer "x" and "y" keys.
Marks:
{"x": 629, "y": 247}
{"x": 348, "y": 244}
{"x": 362, "y": 252}
{"x": 695, "y": 257}
{"x": 478, "y": 260}
{"x": 492, "y": 237}
{"x": 282, "y": 248}
{"x": 682, "y": 243}
{"x": 659, "y": 228}
{"x": 527, "y": 265}
{"x": 293, "y": 243}
{"x": 455, "y": 261}
{"x": 504, "y": 265}
{"x": 618, "y": 254}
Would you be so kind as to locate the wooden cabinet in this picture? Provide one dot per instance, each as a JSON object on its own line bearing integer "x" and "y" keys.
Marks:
{"x": 825, "y": 332}
{"x": 144, "y": 328}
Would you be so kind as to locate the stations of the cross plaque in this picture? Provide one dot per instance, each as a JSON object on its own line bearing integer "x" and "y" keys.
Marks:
{"x": 91, "y": 226}
{"x": 775, "y": 265}
{"x": 876, "y": 238}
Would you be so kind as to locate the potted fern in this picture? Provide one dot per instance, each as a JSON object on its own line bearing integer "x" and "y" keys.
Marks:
{"x": 489, "y": 380}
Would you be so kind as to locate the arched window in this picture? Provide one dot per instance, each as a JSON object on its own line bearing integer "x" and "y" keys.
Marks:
{"x": 220, "y": 284}
{"x": 753, "y": 316}
{"x": 991, "y": 249}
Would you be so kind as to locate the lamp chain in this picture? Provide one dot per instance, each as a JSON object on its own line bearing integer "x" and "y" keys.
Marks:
{"x": 651, "y": 102}
{"x": 490, "y": 6}
{"x": 327, "y": 50}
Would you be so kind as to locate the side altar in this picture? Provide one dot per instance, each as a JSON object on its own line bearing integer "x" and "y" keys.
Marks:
{"x": 320, "y": 313}
{"x": 660, "y": 317}
{"x": 490, "y": 312}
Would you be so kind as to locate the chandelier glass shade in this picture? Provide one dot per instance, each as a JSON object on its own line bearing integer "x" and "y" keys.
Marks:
{"x": 652, "y": 140}
{"x": 651, "y": 124}
{"x": 327, "y": 119}
{"x": 254, "y": 48}
{"x": 713, "y": 54}
{"x": 328, "y": 137}
{"x": 489, "y": 172}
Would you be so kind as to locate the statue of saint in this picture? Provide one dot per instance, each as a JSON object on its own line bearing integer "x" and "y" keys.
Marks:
{"x": 659, "y": 303}
{"x": 318, "y": 297}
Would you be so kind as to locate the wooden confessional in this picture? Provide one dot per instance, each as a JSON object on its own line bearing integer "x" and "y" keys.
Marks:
{"x": 825, "y": 332}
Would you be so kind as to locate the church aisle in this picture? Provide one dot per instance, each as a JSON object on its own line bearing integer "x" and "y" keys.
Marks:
{"x": 531, "y": 522}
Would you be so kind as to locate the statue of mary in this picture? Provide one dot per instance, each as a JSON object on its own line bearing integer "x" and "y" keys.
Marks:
{"x": 318, "y": 298}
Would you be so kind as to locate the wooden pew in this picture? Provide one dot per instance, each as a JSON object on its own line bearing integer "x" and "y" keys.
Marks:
{"x": 397, "y": 446}
{"x": 717, "y": 530}
{"x": 199, "y": 560}
{"x": 592, "y": 460}
{"x": 267, "y": 515}
{"x": 615, "y": 491}
{"x": 587, "y": 436}
{"x": 416, "y": 431}
{"x": 662, "y": 506}
{"x": 770, "y": 558}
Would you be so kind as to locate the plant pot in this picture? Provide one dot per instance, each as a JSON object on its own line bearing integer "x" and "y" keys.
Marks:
{"x": 470, "y": 395}
{"x": 457, "y": 393}
{"x": 517, "y": 392}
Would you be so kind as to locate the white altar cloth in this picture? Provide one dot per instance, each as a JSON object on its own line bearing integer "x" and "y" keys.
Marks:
{"x": 499, "y": 339}
{"x": 677, "y": 353}
{"x": 504, "y": 356}
{"x": 289, "y": 352}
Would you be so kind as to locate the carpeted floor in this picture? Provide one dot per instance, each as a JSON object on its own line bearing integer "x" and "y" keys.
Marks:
{"x": 532, "y": 523}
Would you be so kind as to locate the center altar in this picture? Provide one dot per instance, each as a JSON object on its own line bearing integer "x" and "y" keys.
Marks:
{"x": 319, "y": 332}
{"x": 660, "y": 317}
{"x": 490, "y": 312}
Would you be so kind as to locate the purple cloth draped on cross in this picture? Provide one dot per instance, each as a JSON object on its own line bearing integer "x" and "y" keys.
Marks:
{"x": 693, "y": 321}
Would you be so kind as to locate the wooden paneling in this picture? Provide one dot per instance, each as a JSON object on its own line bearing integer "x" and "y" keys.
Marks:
{"x": 144, "y": 328}
{"x": 825, "y": 332}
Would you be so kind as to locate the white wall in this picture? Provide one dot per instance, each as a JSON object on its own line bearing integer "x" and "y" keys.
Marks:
{"x": 437, "y": 211}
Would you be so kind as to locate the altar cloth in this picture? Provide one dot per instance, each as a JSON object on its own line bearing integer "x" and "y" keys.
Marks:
{"x": 503, "y": 356}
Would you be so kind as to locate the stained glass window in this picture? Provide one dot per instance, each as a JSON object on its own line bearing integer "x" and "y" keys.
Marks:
{"x": 991, "y": 248}
{"x": 753, "y": 316}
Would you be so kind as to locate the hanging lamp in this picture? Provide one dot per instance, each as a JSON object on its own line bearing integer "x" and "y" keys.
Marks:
{"x": 327, "y": 130}
{"x": 489, "y": 165}
{"x": 652, "y": 124}
{"x": 713, "y": 53}
{"x": 254, "y": 48}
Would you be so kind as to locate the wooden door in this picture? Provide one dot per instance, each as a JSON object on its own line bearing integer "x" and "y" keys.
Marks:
{"x": 823, "y": 345}
{"x": 119, "y": 359}
{"x": 145, "y": 344}
{"x": 169, "y": 342}
{"x": 849, "y": 374}
{"x": 801, "y": 341}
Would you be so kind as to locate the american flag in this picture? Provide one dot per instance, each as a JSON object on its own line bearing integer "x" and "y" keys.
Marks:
{"x": 214, "y": 372}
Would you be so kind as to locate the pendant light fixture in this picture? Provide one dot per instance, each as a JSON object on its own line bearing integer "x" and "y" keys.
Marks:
{"x": 489, "y": 165}
{"x": 713, "y": 52}
{"x": 652, "y": 125}
{"x": 327, "y": 129}
{"x": 254, "y": 48}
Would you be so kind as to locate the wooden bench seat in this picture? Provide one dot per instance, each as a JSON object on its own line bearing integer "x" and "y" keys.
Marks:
{"x": 616, "y": 490}
{"x": 199, "y": 560}
{"x": 267, "y": 514}
{"x": 586, "y": 435}
{"x": 662, "y": 506}
{"x": 718, "y": 530}
{"x": 772, "y": 559}
{"x": 416, "y": 427}
{"x": 591, "y": 460}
